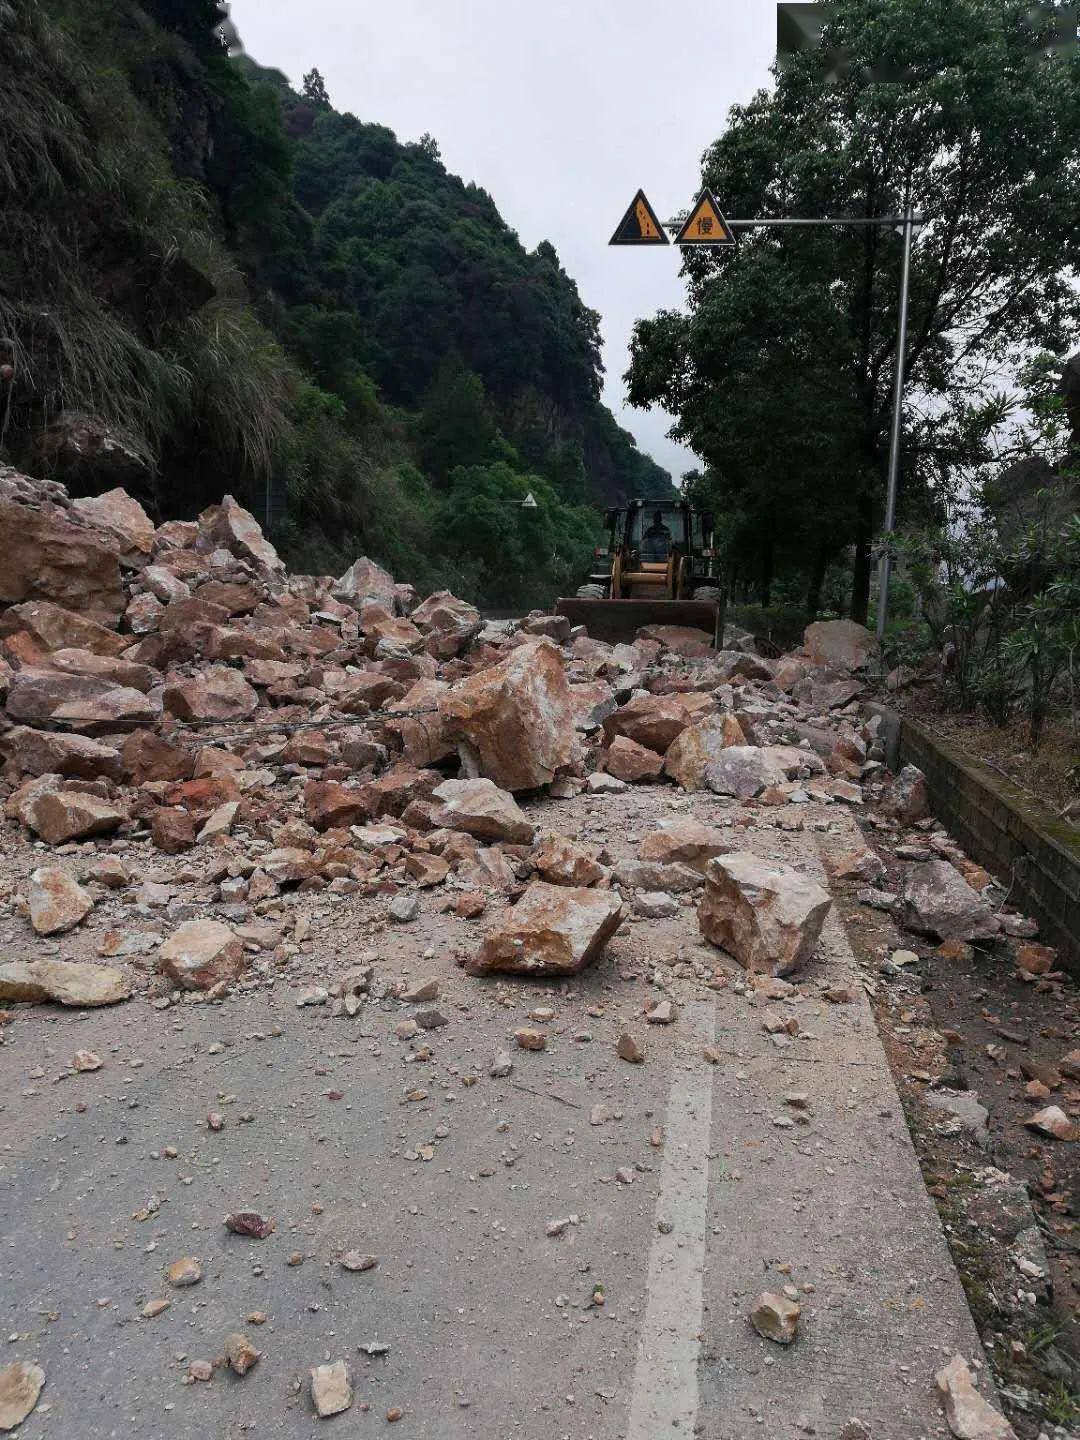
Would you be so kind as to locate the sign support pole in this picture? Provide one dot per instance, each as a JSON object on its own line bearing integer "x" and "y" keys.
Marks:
{"x": 885, "y": 569}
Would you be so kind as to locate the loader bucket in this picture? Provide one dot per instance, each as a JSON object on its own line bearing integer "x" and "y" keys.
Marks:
{"x": 620, "y": 620}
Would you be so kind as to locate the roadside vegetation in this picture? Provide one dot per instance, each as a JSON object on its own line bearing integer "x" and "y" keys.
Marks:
{"x": 233, "y": 287}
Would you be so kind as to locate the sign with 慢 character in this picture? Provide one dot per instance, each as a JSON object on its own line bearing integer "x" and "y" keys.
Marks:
{"x": 706, "y": 225}
{"x": 640, "y": 226}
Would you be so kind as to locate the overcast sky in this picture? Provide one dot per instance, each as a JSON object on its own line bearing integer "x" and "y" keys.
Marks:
{"x": 560, "y": 110}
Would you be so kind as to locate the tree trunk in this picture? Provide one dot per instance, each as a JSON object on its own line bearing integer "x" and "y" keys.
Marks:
{"x": 864, "y": 534}
{"x": 817, "y": 580}
{"x": 768, "y": 549}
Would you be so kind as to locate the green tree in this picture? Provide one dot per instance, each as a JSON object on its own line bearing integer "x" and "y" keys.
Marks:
{"x": 314, "y": 90}
{"x": 981, "y": 140}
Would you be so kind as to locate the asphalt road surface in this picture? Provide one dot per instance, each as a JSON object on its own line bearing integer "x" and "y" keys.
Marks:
{"x": 682, "y": 1195}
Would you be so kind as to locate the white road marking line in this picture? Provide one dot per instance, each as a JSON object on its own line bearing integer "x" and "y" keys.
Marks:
{"x": 664, "y": 1401}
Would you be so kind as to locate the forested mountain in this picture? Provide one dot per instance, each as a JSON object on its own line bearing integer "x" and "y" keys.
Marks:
{"x": 210, "y": 282}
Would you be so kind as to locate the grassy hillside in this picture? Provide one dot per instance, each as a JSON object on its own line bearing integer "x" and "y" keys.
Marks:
{"x": 210, "y": 281}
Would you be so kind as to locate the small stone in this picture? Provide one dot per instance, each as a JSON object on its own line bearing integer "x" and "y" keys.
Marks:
{"x": 184, "y": 1272}
{"x": 1054, "y": 1122}
{"x": 629, "y": 1049}
{"x": 662, "y": 1013}
{"x": 529, "y": 1038}
{"x": 624, "y": 1175}
{"x": 85, "y": 1061}
{"x": 331, "y": 1388}
{"x": 402, "y": 909}
{"x": 200, "y": 1370}
{"x": 153, "y": 1308}
{"x": 20, "y": 1386}
{"x": 240, "y": 1353}
{"x": 501, "y": 1066}
{"x": 355, "y": 1261}
{"x": 775, "y": 1317}
{"x": 969, "y": 1416}
{"x": 250, "y": 1224}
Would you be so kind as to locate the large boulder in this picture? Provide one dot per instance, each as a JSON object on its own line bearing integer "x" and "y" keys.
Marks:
{"x": 514, "y": 722}
{"x": 59, "y": 816}
{"x": 651, "y": 720}
{"x": 449, "y": 624}
{"x": 746, "y": 770}
{"x": 46, "y": 752}
{"x": 936, "y": 900}
{"x": 629, "y": 761}
{"x": 202, "y": 954}
{"x": 66, "y": 982}
{"x": 552, "y": 930}
{"x": 765, "y": 914}
{"x": 683, "y": 842}
{"x": 124, "y": 521}
{"x": 365, "y": 582}
{"x": 907, "y": 798}
{"x": 216, "y": 694}
{"x": 53, "y": 554}
{"x": 57, "y": 901}
{"x": 839, "y": 644}
{"x": 115, "y": 669}
{"x": 560, "y": 861}
{"x": 692, "y": 752}
{"x": 480, "y": 808}
{"x": 237, "y": 529}
{"x": 51, "y": 627}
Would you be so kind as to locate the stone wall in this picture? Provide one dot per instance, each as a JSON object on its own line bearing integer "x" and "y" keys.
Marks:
{"x": 1008, "y": 832}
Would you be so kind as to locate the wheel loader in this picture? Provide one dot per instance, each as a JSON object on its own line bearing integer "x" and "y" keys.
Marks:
{"x": 658, "y": 568}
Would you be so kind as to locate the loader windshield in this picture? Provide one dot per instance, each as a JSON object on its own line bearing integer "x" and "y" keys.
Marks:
{"x": 654, "y": 533}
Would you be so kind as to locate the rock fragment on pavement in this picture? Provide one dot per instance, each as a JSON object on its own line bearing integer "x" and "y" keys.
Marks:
{"x": 67, "y": 982}
{"x": 331, "y": 1389}
{"x": 479, "y": 807}
{"x": 969, "y": 1415}
{"x": 775, "y": 1317}
{"x": 57, "y": 901}
{"x": 767, "y": 915}
{"x": 552, "y": 930}
{"x": 936, "y": 900}
{"x": 202, "y": 954}
{"x": 20, "y": 1385}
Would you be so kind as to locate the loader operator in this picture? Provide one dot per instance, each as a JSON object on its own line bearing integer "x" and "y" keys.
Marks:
{"x": 656, "y": 541}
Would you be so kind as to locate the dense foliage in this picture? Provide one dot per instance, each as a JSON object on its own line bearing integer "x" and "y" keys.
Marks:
{"x": 780, "y": 373}
{"x": 245, "y": 290}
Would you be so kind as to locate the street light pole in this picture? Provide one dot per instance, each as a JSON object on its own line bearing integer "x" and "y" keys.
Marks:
{"x": 907, "y": 223}
{"x": 885, "y": 567}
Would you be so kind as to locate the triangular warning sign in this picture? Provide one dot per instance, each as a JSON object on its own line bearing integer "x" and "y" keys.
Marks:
{"x": 706, "y": 225}
{"x": 640, "y": 226}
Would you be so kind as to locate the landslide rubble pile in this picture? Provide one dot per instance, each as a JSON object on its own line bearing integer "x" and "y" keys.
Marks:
{"x": 194, "y": 736}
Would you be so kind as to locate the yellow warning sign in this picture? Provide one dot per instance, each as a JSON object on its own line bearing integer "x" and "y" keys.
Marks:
{"x": 706, "y": 225}
{"x": 639, "y": 226}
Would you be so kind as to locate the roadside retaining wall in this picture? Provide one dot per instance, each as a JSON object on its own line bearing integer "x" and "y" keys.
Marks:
{"x": 1005, "y": 830}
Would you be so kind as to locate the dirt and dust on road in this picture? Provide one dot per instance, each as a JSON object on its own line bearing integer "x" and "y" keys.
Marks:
{"x": 411, "y": 1022}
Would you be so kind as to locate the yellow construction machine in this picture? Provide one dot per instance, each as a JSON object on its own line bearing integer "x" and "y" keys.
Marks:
{"x": 659, "y": 567}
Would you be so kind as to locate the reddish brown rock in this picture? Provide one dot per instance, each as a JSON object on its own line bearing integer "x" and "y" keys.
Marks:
{"x": 907, "y": 798}
{"x": 552, "y": 930}
{"x": 58, "y": 557}
{"x": 202, "y": 954}
{"x": 698, "y": 746}
{"x": 216, "y": 694}
{"x": 514, "y": 721}
{"x": 115, "y": 669}
{"x": 147, "y": 756}
{"x": 62, "y": 815}
{"x": 448, "y": 624}
{"x": 237, "y": 529}
{"x": 172, "y": 830}
{"x": 44, "y": 752}
{"x": 629, "y": 761}
{"x": 561, "y": 862}
{"x": 426, "y": 870}
{"x": 480, "y": 808}
{"x": 51, "y": 627}
{"x": 329, "y": 805}
{"x": 57, "y": 901}
{"x": 1035, "y": 959}
{"x": 651, "y": 720}
{"x": 767, "y": 915}
{"x": 683, "y": 842}
{"x": 124, "y": 521}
